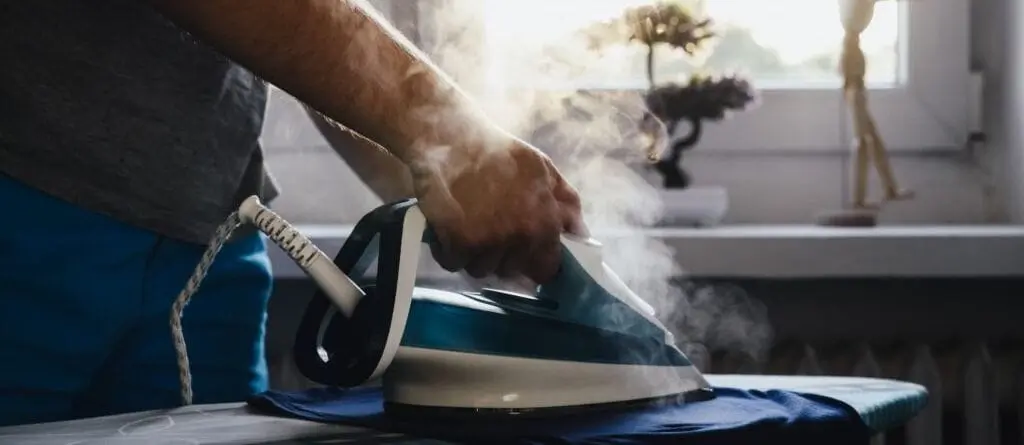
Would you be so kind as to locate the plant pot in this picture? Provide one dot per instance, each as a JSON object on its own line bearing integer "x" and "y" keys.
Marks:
{"x": 700, "y": 206}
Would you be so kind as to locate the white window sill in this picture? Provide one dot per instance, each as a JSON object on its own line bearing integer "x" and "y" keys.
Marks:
{"x": 795, "y": 251}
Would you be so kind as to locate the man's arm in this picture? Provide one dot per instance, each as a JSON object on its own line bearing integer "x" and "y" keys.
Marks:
{"x": 386, "y": 176}
{"x": 342, "y": 59}
{"x": 389, "y": 179}
{"x": 503, "y": 216}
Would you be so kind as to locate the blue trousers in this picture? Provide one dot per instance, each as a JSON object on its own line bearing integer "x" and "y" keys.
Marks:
{"x": 84, "y": 307}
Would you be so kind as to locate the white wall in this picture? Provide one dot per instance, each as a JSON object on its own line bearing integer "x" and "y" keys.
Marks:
{"x": 1000, "y": 44}
{"x": 764, "y": 188}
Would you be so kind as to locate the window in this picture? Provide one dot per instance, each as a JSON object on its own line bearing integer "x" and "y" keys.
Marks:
{"x": 917, "y": 57}
{"x": 919, "y": 101}
{"x": 774, "y": 53}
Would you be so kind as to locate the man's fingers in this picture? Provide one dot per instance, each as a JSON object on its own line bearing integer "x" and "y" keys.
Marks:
{"x": 485, "y": 264}
{"x": 511, "y": 265}
{"x": 547, "y": 262}
{"x": 572, "y": 222}
{"x": 566, "y": 194}
{"x": 447, "y": 255}
{"x": 446, "y": 217}
{"x": 542, "y": 261}
{"x": 571, "y": 209}
{"x": 448, "y": 260}
{"x": 503, "y": 230}
{"x": 517, "y": 254}
{"x": 538, "y": 256}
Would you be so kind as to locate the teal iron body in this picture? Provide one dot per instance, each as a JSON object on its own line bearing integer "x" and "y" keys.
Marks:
{"x": 584, "y": 341}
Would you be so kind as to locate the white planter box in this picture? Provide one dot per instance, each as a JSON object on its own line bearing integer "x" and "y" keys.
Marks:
{"x": 701, "y": 206}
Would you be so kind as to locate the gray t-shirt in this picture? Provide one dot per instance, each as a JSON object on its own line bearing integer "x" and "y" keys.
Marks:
{"x": 107, "y": 105}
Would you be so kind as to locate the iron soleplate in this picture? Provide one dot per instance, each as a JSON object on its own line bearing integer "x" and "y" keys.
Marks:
{"x": 420, "y": 412}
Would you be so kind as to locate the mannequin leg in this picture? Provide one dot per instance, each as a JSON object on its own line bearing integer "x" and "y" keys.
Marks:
{"x": 880, "y": 155}
{"x": 884, "y": 168}
{"x": 860, "y": 175}
{"x": 865, "y": 126}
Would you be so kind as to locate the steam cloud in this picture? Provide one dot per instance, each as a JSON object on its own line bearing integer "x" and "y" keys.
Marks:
{"x": 597, "y": 142}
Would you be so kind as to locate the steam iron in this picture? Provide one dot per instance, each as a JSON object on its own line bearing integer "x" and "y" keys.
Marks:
{"x": 583, "y": 342}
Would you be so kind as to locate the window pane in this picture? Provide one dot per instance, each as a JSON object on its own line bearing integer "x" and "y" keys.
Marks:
{"x": 778, "y": 43}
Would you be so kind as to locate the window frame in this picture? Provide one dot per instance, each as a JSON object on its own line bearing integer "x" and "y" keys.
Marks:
{"x": 927, "y": 111}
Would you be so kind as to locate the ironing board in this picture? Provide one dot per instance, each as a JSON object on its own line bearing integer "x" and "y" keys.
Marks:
{"x": 882, "y": 404}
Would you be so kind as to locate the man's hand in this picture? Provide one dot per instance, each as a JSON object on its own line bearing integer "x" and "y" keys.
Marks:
{"x": 497, "y": 204}
{"x": 482, "y": 189}
{"x": 390, "y": 180}
{"x": 497, "y": 211}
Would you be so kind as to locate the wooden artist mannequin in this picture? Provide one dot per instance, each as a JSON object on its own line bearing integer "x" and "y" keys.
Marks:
{"x": 856, "y": 15}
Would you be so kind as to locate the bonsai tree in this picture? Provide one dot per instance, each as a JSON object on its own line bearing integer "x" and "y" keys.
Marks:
{"x": 700, "y": 98}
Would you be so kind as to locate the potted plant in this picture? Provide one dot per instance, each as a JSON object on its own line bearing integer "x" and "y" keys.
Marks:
{"x": 690, "y": 102}
{"x": 698, "y": 99}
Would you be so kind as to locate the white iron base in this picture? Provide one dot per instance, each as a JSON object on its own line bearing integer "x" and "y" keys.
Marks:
{"x": 446, "y": 379}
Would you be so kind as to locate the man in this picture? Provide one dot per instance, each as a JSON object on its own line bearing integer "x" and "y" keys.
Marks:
{"x": 125, "y": 141}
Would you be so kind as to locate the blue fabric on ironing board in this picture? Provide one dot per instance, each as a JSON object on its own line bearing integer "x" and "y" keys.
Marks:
{"x": 734, "y": 416}
{"x": 883, "y": 404}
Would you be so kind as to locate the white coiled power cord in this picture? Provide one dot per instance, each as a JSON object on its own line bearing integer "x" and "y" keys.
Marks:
{"x": 338, "y": 287}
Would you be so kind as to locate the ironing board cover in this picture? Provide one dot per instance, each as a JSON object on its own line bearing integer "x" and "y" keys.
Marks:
{"x": 881, "y": 404}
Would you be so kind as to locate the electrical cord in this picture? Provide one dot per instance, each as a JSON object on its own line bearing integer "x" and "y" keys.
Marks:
{"x": 279, "y": 231}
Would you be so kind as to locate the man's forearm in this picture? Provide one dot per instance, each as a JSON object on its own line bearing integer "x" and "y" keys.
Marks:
{"x": 386, "y": 176}
{"x": 339, "y": 58}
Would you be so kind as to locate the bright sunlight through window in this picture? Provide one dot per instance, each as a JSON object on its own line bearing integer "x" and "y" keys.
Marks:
{"x": 777, "y": 43}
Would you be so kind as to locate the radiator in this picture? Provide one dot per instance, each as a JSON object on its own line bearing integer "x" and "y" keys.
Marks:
{"x": 976, "y": 389}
